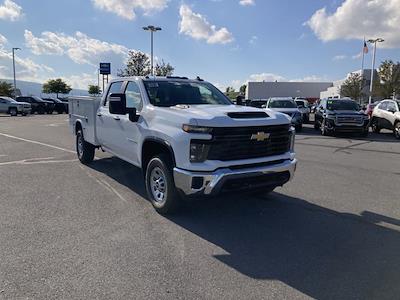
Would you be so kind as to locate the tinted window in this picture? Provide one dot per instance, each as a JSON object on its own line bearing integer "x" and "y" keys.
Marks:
{"x": 383, "y": 105}
{"x": 171, "y": 93}
{"x": 342, "y": 105}
{"x": 133, "y": 96}
{"x": 391, "y": 106}
{"x": 282, "y": 104}
{"x": 115, "y": 87}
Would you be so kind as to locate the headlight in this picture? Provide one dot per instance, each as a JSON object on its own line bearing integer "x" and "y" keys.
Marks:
{"x": 292, "y": 137}
{"x": 196, "y": 129}
{"x": 198, "y": 151}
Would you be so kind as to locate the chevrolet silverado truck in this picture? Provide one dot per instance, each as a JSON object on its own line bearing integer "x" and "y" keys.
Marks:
{"x": 186, "y": 136}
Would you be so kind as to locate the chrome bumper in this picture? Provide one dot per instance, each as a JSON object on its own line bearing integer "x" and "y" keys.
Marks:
{"x": 193, "y": 183}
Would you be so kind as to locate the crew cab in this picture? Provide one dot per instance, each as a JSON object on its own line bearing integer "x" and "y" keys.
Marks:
{"x": 386, "y": 115}
{"x": 186, "y": 136}
{"x": 340, "y": 116}
{"x": 12, "y": 107}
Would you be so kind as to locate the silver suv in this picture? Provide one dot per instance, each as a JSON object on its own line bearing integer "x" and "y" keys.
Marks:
{"x": 12, "y": 107}
{"x": 386, "y": 115}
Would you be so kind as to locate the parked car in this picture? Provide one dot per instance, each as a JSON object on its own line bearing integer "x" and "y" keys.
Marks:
{"x": 59, "y": 106}
{"x": 186, "y": 136}
{"x": 340, "y": 115}
{"x": 12, "y": 107}
{"x": 386, "y": 115}
{"x": 38, "y": 105}
{"x": 314, "y": 106}
{"x": 370, "y": 108}
{"x": 258, "y": 103}
{"x": 289, "y": 107}
{"x": 65, "y": 101}
{"x": 304, "y": 107}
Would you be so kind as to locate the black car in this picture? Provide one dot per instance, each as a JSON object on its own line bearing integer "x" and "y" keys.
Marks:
{"x": 38, "y": 105}
{"x": 340, "y": 115}
{"x": 65, "y": 101}
{"x": 59, "y": 106}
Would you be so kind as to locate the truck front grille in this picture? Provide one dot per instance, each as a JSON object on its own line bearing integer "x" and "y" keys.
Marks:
{"x": 248, "y": 142}
{"x": 349, "y": 120}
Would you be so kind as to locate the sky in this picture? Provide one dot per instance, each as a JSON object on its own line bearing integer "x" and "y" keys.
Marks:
{"x": 227, "y": 42}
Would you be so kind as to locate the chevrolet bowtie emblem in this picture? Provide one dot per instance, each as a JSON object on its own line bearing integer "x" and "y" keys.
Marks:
{"x": 260, "y": 136}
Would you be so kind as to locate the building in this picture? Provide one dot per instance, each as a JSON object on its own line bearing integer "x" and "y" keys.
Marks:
{"x": 334, "y": 91}
{"x": 265, "y": 90}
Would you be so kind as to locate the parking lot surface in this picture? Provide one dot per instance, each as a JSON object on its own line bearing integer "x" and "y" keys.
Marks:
{"x": 70, "y": 231}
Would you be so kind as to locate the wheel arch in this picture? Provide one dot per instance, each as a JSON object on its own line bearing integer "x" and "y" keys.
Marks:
{"x": 152, "y": 146}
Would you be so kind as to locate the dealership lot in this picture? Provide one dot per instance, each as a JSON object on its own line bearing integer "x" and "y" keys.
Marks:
{"x": 73, "y": 231}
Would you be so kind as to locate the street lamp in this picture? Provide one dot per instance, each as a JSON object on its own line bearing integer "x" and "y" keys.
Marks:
{"x": 152, "y": 29}
{"x": 15, "y": 80}
{"x": 373, "y": 41}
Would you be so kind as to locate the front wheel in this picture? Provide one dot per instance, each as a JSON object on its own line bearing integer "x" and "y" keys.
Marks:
{"x": 13, "y": 111}
{"x": 84, "y": 150}
{"x": 397, "y": 130}
{"x": 160, "y": 185}
{"x": 375, "y": 127}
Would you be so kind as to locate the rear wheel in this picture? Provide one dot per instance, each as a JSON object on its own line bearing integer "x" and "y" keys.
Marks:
{"x": 160, "y": 185}
{"x": 397, "y": 130}
{"x": 84, "y": 150}
{"x": 13, "y": 111}
{"x": 41, "y": 111}
{"x": 324, "y": 132}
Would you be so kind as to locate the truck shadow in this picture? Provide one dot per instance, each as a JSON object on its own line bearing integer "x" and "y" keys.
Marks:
{"x": 320, "y": 252}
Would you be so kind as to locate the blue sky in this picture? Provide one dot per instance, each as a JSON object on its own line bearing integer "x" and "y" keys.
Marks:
{"x": 224, "y": 41}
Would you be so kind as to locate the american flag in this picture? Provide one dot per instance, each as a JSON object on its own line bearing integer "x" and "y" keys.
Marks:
{"x": 365, "y": 49}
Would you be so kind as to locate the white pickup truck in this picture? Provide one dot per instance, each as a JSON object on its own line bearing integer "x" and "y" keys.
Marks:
{"x": 186, "y": 136}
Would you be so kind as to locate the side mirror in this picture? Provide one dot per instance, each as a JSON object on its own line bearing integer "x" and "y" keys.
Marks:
{"x": 392, "y": 110}
{"x": 133, "y": 117}
{"x": 117, "y": 104}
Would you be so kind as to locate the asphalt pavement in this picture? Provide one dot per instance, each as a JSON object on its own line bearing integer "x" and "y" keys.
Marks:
{"x": 69, "y": 231}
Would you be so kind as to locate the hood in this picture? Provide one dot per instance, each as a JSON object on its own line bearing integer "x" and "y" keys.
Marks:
{"x": 222, "y": 115}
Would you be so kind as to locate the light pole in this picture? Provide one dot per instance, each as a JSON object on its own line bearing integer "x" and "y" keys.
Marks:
{"x": 15, "y": 80}
{"x": 371, "y": 85}
{"x": 152, "y": 29}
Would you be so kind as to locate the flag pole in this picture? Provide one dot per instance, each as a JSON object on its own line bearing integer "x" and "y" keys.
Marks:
{"x": 362, "y": 70}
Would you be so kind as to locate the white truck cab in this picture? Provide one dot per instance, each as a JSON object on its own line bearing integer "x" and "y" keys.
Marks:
{"x": 186, "y": 136}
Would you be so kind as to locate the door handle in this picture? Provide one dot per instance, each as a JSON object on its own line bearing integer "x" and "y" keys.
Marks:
{"x": 117, "y": 118}
{"x": 99, "y": 114}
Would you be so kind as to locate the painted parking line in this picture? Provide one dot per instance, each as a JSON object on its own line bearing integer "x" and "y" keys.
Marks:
{"x": 36, "y": 142}
{"x": 36, "y": 161}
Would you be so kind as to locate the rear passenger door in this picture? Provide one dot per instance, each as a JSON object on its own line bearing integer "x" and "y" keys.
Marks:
{"x": 3, "y": 105}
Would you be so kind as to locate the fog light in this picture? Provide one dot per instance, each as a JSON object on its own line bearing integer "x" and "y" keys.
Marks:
{"x": 197, "y": 183}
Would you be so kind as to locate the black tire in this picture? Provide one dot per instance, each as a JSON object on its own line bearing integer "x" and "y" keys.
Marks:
{"x": 365, "y": 133}
{"x": 13, "y": 111}
{"x": 24, "y": 114}
{"x": 163, "y": 187}
{"x": 324, "y": 132}
{"x": 316, "y": 125}
{"x": 84, "y": 150}
{"x": 41, "y": 111}
{"x": 375, "y": 127}
{"x": 396, "y": 130}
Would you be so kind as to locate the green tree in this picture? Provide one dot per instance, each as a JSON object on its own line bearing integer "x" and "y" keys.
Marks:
{"x": 94, "y": 90}
{"x": 56, "y": 86}
{"x": 138, "y": 65}
{"x": 352, "y": 87}
{"x": 388, "y": 82}
{"x": 163, "y": 69}
{"x": 6, "y": 89}
{"x": 229, "y": 89}
{"x": 243, "y": 89}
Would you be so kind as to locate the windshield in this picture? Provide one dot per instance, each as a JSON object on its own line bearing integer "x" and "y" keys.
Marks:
{"x": 302, "y": 103}
{"x": 343, "y": 105}
{"x": 37, "y": 99}
{"x": 171, "y": 93}
{"x": 282, "y": 104}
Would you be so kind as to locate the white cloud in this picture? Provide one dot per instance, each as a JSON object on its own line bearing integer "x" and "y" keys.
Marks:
{"x": 247, "y": 2}
{"x": 197, "y": 26}
{"x": 357, "y": 56}
{"x": 339, "y": 57}
{"x": 127, "y": 8}
{"x": 355, "y": 19}
{"x": 3, "y": 40}
{"x": 253, "y": 40}
{"x": 81, "y": 81}
{"x": 266, "y": 77}
{"x": 80, "y": 48}
{"x": 10, "y": 11}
